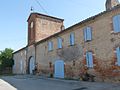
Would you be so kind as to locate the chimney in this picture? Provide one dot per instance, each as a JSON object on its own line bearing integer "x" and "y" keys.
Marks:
{"x": 111, "y": 4}
{"x": 62, "y": 27}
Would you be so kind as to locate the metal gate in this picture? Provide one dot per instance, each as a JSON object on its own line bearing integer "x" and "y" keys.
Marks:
{"x": 59, "y": 69}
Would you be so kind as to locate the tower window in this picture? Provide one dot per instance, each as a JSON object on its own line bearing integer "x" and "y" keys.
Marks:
{"x": 31, "y": 25}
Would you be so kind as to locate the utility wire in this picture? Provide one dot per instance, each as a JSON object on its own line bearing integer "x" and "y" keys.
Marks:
{"x": 79, "y": 3}
{"x": 41, "y": 6}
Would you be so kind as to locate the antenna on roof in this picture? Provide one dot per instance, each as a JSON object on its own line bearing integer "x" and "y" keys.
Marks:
{"x": 32, "y": 9}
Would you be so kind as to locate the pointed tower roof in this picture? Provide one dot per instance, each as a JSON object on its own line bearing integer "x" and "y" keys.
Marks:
{"x": 111, "y": 4}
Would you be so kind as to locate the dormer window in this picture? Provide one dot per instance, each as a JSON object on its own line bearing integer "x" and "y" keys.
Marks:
{"x": 31, "y": 25}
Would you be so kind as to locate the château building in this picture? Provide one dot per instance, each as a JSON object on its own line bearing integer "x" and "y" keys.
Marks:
{"x": 92, "y": 46}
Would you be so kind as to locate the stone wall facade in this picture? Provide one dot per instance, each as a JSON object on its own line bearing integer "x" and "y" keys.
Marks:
{"x": 103, "y": 44}
{"x": 41, "y": 26}
{"x": 20, "y": 62}
{"x": 45, "y": 27}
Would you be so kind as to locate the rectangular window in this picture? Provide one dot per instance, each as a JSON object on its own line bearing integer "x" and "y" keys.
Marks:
{"x": 50, "y": 46}
{"x": 89, "y": 59}
{"x": 59, "y": 42}
{"x": 118, "y": 55}
{"x": 116, "y": 23}
{"x": 72, "y": 39}
{"x": 88, "y": 34}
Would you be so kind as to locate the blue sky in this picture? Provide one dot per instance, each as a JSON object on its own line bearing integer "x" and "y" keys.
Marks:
{"x": 14, "y": 15}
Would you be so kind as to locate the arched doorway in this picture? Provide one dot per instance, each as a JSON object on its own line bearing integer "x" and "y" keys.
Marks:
{"x": 31, "y": 64}
{"x": 59, "y": 69}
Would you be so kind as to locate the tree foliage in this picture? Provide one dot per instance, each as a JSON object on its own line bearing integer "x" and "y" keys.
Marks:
{"x": 6, "y": 58}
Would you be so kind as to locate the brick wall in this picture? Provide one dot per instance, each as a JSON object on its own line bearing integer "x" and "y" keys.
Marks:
{"x": 103, "y": 43}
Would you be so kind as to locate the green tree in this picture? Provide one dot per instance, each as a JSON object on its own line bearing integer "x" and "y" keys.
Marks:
{"x": 6, "y": 58}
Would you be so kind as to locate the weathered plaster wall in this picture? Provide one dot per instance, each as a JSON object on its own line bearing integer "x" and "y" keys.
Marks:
{"x": 19, "y": 62}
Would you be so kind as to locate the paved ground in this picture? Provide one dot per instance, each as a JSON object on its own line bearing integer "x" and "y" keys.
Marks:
{"x": 6, "y": 86}
{"x": 38, "y": 83}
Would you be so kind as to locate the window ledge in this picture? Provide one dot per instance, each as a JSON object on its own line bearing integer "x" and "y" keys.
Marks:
{"x": 88, "y": 41}
{"x": 116, "y": 64}
{"x": 94, "y": 54}
{"x": 90, "y": 67}
{"x": 50, "y": 50}
{"x": 71, "y": 45}
{"x": 59, "y": 48}
{"x": 112, "y": 32}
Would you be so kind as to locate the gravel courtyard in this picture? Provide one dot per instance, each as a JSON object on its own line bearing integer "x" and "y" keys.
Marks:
{"x": 28, "y": 82}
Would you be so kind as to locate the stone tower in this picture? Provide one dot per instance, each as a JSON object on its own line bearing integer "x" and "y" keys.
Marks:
{"x": 111, "y": 3}
{"x": 41, "y": 26}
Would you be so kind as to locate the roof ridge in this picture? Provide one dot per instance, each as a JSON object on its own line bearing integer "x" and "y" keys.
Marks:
{"x": 45, "y": 16}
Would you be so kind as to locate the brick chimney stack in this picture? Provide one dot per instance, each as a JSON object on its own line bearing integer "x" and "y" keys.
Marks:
{"x": 111, "y": 4}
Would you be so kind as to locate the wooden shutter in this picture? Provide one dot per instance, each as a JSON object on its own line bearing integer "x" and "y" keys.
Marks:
{"x": 59, "y": 42}
{"x": 88, "y": 34}
{"x": 116, "y": 23}
{"x": 118, "y": 55}
{"x": 50, "y": 46}
{"x": 72, "y": 39}
{"x": 89, "y": 59}
{"x": 85, "y": 34}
